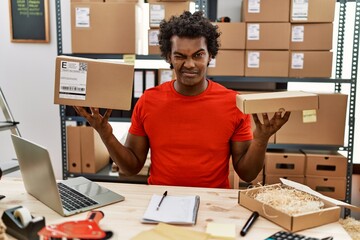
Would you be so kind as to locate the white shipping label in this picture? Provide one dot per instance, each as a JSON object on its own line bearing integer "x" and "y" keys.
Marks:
{"x": 73, "y": 76}
{"x": 297, "y": 60}
{"x": 157, "y": 14}
{"x": 253, "y": 32}
{"x": 309, "y": 116}
{"x": 212, "y": 63}
{"x": 254, "y": 6}
{"x": 300, "y": 10}
{"x": 297, "y": 34}
{"x": 82, "y": 17}
{"x": 153, "y": 38}
{"x": 253, "y": 60}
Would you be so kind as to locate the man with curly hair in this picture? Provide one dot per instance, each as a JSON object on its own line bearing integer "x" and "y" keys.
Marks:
{"x": 191, "y": 124}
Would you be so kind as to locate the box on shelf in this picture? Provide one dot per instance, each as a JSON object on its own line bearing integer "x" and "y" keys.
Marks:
{"x": 227, "y": 63}
{"x": 285, "y": 163}
{"x": 99, "y": 27}
{"x": 273, "y": 179}
{"x": 232, "y": 35}
{"x": 310, "y": 64}
{"x": 312, "y": 11}
{"x": 153, "y": 41}
{"x": 266, "y": 63}
{"x": 277, "y": 101}
{"x": 267, "y": 36}
{"x": 325, "y": 163}
{"x": 93, "y": 83}
{"x": 329, "y": 186}
{"x": 327, "y": 126}
{"x": 311, "y": 36}
{"x": 159, "y": 11}
{"x": 73, "y": 143}
{"x": 265, "y": 11}
{"x": 94, "y": 154}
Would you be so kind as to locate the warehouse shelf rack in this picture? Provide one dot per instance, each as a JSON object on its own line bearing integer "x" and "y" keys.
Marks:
{"x": 338, "y": 82}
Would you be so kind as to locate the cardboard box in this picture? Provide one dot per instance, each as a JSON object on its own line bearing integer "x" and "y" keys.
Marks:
{"x": 227, "y": 63}
{"x": 311, "y": 36}
{"x": 94, "y": 154}
{"x": 285, "y": 162}
{"x": 266, "y": 63}
{"x": 277, "y": 101}
{"x": 264, "y": 36}
{"x": 312, "y": 11}
{"x": 273, "y": 179}
{"x": 100, "y": 28}
{"x": 326, "y": 127}
{"x": 266, "y": 11}
{"x": 232, "y": 35}
{"x": 331, "y": 187}
{"x": 310, "y": 64}
{"x": 325, "y": 163}
{"x": 93, "y": 83}
{"x": 164, "y": 10}
{"x": 153, "y": 42}
{"x": 330, "y": 212}
{"x": 73, "y": 149}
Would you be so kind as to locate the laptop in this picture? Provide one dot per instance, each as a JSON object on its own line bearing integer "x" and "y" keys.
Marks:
{"x": 68, "y": 197}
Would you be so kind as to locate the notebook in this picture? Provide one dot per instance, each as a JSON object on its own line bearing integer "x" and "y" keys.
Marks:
{"x": 39, "y": 180}
{"x": 181, "y": 210}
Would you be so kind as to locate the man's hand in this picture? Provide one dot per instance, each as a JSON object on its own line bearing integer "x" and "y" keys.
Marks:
{"x": 264, "y": 130}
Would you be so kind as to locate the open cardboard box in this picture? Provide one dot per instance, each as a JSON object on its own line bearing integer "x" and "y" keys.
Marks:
{"x": 330, "y": 212}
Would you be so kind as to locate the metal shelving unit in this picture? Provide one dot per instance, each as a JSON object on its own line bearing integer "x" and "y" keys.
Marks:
{"x": 338, "y": 82}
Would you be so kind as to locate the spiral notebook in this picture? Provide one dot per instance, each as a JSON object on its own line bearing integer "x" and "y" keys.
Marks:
{"x": 173, "y": 210}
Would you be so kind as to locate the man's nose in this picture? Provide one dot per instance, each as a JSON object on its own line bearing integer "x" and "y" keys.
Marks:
{"x": 189, "y": 63}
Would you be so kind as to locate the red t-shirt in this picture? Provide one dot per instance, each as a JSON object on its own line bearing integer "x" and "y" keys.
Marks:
{"x": 190, "y": 136}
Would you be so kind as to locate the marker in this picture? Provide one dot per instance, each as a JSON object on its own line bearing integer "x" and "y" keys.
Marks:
{"x": 163, "y": 196}
{"x": 249, "y": 223}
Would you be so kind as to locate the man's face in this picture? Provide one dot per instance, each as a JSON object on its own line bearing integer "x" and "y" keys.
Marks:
{"x": 190, "y": 58}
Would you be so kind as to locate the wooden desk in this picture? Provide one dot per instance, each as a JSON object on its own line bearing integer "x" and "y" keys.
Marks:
{"x": 123, "y": 218}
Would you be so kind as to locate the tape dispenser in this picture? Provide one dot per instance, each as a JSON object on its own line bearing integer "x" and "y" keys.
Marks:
{"x": 21, "y": 224}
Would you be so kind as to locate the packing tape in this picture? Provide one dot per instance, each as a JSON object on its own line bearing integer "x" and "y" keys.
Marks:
{"x": 24, "y": 215}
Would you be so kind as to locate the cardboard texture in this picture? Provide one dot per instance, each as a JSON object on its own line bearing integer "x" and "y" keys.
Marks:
{"x": 325, "y": 163}
{"x": 285, "y": 163}
{"x": 100, "y": 27}
{"x": 159, "y": 11}
{"x": 266, "y": 11}
{"x": 227, "y": 63}
{"x": 328, "y": 129}
{"x": 266, "y": 63}
{"x": 93, "y": 83}
{"x": 312, "y": 11}
{"x": 277, "y": 101}
{"x": 232, "y": 35}
{"x": 329, "y": 186}
{"x": 273, "y": 179}
{"x": 95, "y": 155}
{"x": 311, "y": 64}
{"x": 73, "y": 149}
{"x": 267, "y": 36}
{"x": 311, "y": 36}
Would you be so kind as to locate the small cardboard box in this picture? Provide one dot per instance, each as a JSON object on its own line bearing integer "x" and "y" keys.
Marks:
{"x": 277, "y": 101}
{"x": 311, "y": 36}
{"x": 227, "y": 63}
{"x": 310, "y": 64}
{"x": 266, "y": 11}
{"x": 312, "y": 11}
{"x": 273, "y": 179}
{"x": 73, "y": 149}
{"x": 330, "y": 212}
{"x": 159, "y": 11}
{"x": 93, "y": 83}
{"x": 153, "y": 42}
{"x": 266, "y": 63}
{"x": 232, "y": 35}
{"x": 94, "y": 154}
{"x": 267, "y": 36}
{"x": 325, "y": 163}
{"x": 285, "y": 163}
{"x": 329, "y": 186}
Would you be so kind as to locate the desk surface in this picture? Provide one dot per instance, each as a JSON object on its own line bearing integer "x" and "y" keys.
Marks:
{"x": 123, "y": 218}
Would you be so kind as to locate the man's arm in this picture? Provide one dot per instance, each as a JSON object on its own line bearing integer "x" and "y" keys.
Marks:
{"x": 130, "y": 157}
{"x": 248, "y": 157}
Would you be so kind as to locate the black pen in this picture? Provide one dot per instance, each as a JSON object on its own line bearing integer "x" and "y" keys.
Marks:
{"x": 163, "y": 196}
{"x": 249, "y": 223}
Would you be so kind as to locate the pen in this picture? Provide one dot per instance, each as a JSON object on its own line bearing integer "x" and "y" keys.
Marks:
{"x": 249, "y": 223}
{"x": 163, "y": 196}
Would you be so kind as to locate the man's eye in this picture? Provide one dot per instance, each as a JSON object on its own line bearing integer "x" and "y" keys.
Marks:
{"x": 199, "y": 55}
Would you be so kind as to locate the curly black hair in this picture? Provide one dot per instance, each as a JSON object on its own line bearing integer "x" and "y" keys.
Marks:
{"x": 191, "y": 26}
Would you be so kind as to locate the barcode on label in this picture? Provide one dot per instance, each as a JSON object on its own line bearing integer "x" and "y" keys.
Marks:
{"x": 82, "y": 66}
{"x": 73, "y": 88}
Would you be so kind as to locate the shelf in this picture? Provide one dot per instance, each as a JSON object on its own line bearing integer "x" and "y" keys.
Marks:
{"x": 114, "y": 56}
{"x": 81, "y": 119}
{"x": 238, "y": 79}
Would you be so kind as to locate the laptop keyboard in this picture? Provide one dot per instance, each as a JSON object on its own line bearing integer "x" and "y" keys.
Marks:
{"x": 72, "y": 199}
